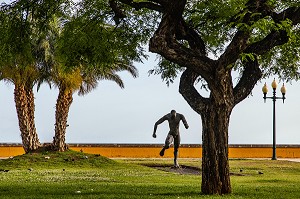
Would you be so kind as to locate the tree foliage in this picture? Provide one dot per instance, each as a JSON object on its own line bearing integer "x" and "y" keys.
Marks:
{"x": 72, "y": 46}
{"x": 217, "y": 22}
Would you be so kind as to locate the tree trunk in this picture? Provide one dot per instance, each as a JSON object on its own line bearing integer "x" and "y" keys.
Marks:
{"x": 215, "y": 166}
{"x": 215, "y": 114}
{"x": 31, "y": 110}
{"x": 24, "y": 100}
{"x": 64, "y": 101}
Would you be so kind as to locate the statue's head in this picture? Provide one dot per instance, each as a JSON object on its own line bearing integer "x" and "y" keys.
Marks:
{"x": 173, "y": 114}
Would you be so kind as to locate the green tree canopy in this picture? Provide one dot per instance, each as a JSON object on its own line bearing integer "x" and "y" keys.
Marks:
{"x": 217, "y": 22}
{"x": 72, "y": 46}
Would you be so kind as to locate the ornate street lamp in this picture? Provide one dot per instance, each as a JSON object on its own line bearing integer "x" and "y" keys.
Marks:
{"x": 265, "y": 91}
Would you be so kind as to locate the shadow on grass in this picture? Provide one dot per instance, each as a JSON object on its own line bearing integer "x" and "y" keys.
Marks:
{"x": 104, "y": 190}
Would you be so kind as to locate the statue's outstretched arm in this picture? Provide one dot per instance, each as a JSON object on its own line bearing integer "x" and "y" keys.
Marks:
{"x": 161, "y": 120}
{"x": 184, "y": 122}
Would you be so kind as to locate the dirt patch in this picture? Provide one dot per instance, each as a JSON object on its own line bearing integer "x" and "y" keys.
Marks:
{"x": 183, "y": 169}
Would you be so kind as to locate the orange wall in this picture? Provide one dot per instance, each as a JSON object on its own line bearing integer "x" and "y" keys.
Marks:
{"x": 8, "y": 151}
{"x": 139, "y": 152}
{"x": 264, "y": 152}
{"x": 152, "y": 151}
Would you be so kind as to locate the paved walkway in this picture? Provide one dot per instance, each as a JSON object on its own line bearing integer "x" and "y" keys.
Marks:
{"x": 283, "y": 159}
{"x": 290, "y": 159}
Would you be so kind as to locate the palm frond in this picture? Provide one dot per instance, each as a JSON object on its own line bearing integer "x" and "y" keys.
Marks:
{"x": 118, "y": 67}
{"x": 113, "y": 77}
{"x": 88, "y": 84}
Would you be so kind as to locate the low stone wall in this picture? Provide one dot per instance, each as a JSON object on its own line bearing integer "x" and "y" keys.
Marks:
{"x": 152, "y": 150}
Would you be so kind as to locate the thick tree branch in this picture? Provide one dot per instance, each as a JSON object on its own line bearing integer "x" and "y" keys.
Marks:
{"x": 256, "y": 10}
{"x": 234, "y": 49}
{"x": 251, "y": 75}
{"x": 292, "y": 13}
{"x": 119, "y": 14}
{"x": 165, "y": 43}
{"x": 173, "y": 28}
{"x": 151, "y": 4}
{"x": 189, "y": 93}
{"x": 169, "y": 48}
{"x": 275, "y": 38}
{"x": 184, "y": 32}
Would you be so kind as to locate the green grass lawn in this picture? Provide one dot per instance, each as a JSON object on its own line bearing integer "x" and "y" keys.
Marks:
{"x": 78, "y": 175}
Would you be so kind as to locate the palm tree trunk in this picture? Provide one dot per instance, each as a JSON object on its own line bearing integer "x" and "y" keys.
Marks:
{"x": 63, "y": 103}
{"x": 24, "y": 101}
{"x": 31, "y": 116}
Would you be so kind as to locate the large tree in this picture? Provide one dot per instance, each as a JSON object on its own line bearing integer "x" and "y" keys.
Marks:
{"x": 17, "y": 66}
{"x": 85, "y": 49}
{"x": 210, "y": 39}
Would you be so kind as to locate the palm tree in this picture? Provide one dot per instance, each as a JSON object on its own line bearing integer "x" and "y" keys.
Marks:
{"x": 23, "y": 79}
{"x": 83, "y": 52}
{"x": 18, "y": 66}
{"x": 82, "y": 80}
{"x": 67, "y": 82}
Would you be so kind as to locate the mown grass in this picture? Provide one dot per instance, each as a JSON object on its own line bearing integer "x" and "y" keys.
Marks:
{"x": 79, "y": 175}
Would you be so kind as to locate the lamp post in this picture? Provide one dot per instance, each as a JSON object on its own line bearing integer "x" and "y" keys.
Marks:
{"x": 265, "y": 91}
